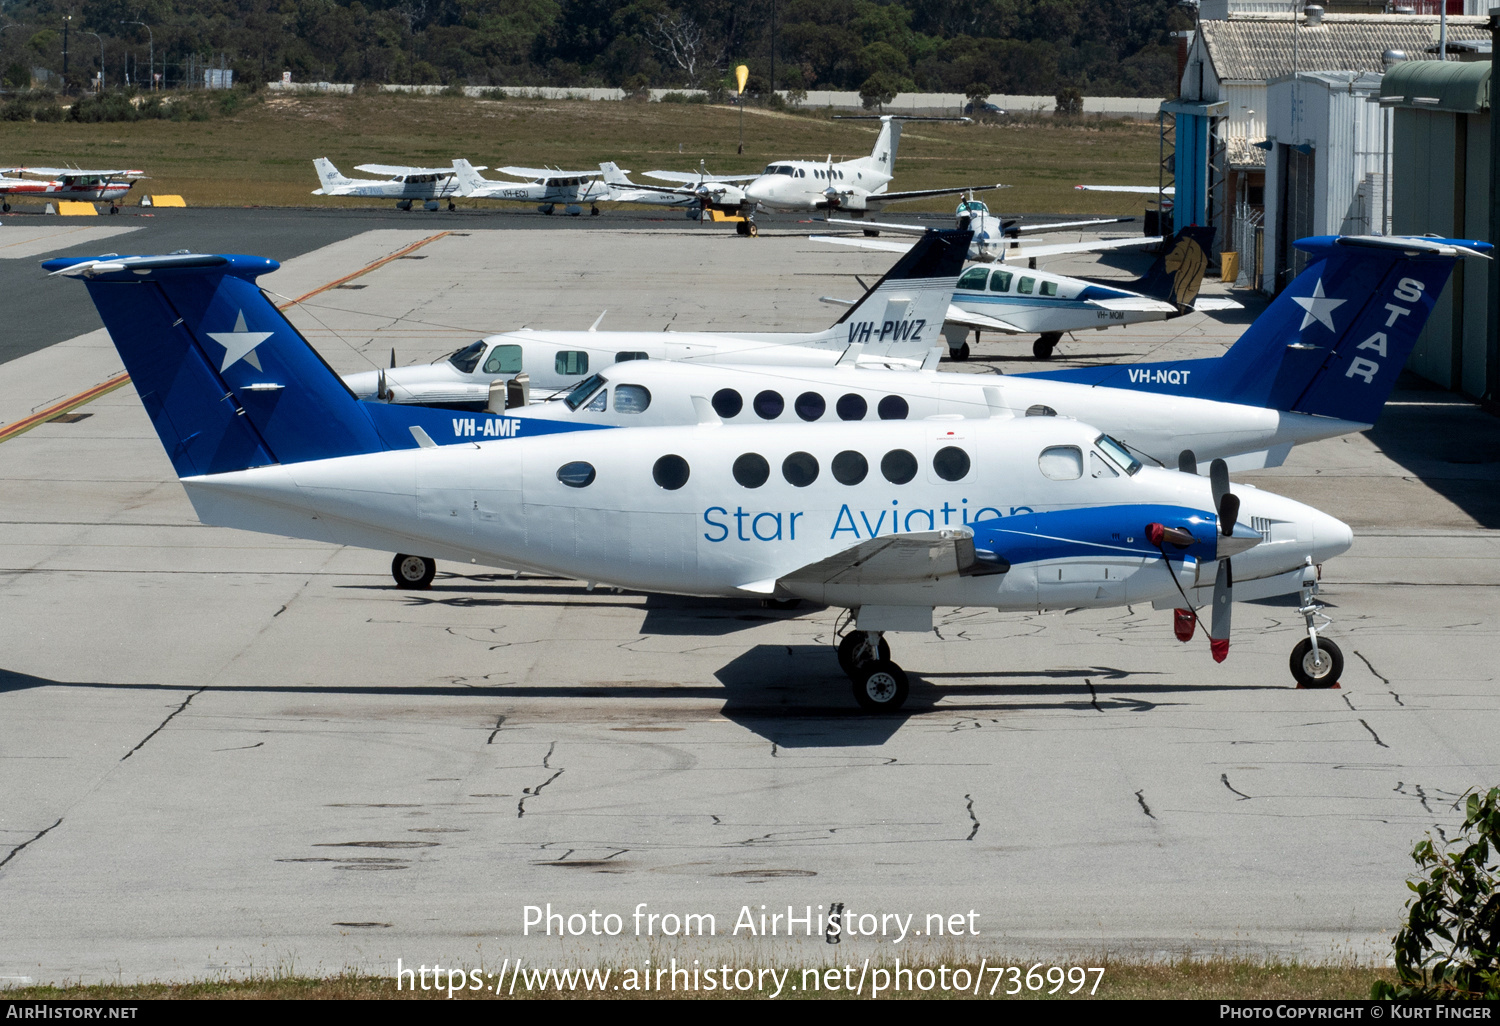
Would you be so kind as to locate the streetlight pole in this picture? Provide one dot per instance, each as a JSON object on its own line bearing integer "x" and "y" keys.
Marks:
{"x": 67, "y": 20}
{"x": 151, "y": 52}
{"x": 101, "y": 56}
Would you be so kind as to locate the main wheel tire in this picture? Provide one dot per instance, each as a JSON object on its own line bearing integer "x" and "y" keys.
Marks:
{"x": 452, "y": 206}
{"x": 846, "y": 652}
{"x": 880, "y": 687}
{"x": 413, "y": 572}
{"x": 1043, "y": 346}
{"x": 960, "y": 354}
{"x": 742, "y": 228}
{"x": 1320, "y": 672}
{"x": 754, "y": 229}
{"x": 593, "y": 211}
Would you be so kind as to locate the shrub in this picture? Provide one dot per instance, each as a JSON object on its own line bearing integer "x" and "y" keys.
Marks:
{"x": 1450, "y": 945}
{"x": 1069, "y": 100}
{"x": 673, "y": 97}
{"x": 49, "y": 110}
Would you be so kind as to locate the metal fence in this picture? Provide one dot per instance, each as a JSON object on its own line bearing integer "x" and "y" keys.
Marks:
{"x": 1249, "y": 235}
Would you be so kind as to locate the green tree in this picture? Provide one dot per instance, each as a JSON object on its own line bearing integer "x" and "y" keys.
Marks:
{"x": 1450, "y": 945}
{"x": 878, "y": 90}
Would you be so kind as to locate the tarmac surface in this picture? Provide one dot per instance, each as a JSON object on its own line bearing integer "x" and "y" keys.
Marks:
{"x": 228, "y": 753}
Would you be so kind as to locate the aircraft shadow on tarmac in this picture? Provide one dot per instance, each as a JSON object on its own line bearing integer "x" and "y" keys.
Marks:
{"x": 1448, "y": 443}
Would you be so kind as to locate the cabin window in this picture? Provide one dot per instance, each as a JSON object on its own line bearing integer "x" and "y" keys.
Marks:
{"x": 850, "y": 467}
{"x": 576, "y": 475}
{"x": 752, "y": 470}
{"x": 852, "y": 407}
{"x": 623, "y": 357}
{"x": 898, "y": 466}
{"x": 467, "y": 358}
{"x": 728, "y": 403}
{"x": 973, "y": 279}
{"x": 503, "y": 360}
{"x": 670, "y": 472}
{"x": 769, "y": 405}
{"x": 1000, "y": 281}
{"x": 631, "y": 398}
{"x": 1062, "y": 462}
{"x": 1039, "y": 410}
{"x": 800, "y": 469}
{"x": 583, "y": 390}
{"x": 600, "y": 402}
{"x": 571, "y": 361}
{"x": 1049, "y": 288}
{"x": 951, "y": 463}
{"x": 1026, "y": 286}
{"x": 801, "y": 172}
{"x": 810, "y": 406}
{"x": 892, "y": 407}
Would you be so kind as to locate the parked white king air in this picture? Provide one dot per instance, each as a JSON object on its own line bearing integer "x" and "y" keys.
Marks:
{"x": 897, "y": 323}
{"x": 888, "y": 519}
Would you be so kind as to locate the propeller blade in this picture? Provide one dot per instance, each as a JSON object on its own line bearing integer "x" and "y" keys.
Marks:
{"x": 1218, "y": 476}
{"x": 393, "y": 357}
{"x": 1218, "y": 632}
{"x": 380, "y": 392}
{"x": 1187, "y": 462}
{"x": 1225, "y": 502}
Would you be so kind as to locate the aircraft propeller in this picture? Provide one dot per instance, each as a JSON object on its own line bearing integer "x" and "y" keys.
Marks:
{"x": 1228, "y": 506}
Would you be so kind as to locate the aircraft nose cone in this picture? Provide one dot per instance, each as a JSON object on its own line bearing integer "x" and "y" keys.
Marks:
{"x": 758, "y": 191}
{"x": 1331, "y": 536}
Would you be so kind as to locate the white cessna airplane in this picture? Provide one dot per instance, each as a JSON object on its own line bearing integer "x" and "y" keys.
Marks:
{"x": 873, "y": 517}
{"x": 1023, "y": 302}
{"x": 855, "y": 186}
{"x": 897, "y": 323}
{"x": 623, "y": 190}
{"x": 405, "y": 185}
{"x": 546, "y": 187}
{"x": 1319, "y": 362}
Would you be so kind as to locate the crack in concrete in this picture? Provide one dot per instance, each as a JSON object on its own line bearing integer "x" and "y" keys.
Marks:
{"x": 40, "y": 834}
{"x": 532, "y": 792}
{"x": 1224, "y": 777}
{"x": 774, "y": 750}
{"x": 1383, "y": 678}
{"x": 972, "y": 818}
{"x": 499, "y": 722}
{"x": 1140, "y": 797}
{"x": 1093, "y": 695}
{"x": 1376, "y": 736}
{"x": 550, "y": 749}
{"x": 1421, "y": 796}
{"x": 1350, "y": 704}
{"x": 163, "y": 723}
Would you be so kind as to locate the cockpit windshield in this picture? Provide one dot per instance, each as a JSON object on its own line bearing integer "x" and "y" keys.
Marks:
{"x": 777, "y": 169}
{"x": 587, "y": 387}
{"x": 968, "y": 208}
{"x": 467, "y": 358}
{"x": 1118, "y": 454}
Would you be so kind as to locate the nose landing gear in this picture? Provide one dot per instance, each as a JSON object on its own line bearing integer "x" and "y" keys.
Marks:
{"x": 1316, "y": 662}
{"x": 879, "y": 684}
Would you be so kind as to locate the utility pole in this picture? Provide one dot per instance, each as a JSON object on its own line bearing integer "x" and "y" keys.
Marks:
{"x": 151, "y": 52}
{"x": 67, "y": 20}
{"x": 101, "y": 56}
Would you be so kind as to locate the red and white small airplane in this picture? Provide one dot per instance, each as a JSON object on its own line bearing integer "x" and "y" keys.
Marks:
{"x": 67, "y": 183}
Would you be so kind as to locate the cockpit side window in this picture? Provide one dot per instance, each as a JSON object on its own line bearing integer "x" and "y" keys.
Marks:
{"x": 583, "y": 390}
{"x": 631, "y": 398}
{"x": 600, "y": 402}
{"x": 467, "y": 358}
{"x": 503, "y": 360}
{"x": 1061, "y": 462}
{"x": 1000, "y": 281}
{"x": 973, "y": 279}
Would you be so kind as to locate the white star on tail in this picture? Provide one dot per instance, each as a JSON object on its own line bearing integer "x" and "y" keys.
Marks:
{"x": 1319, "y": 308}
{"x": 239, "y": 344}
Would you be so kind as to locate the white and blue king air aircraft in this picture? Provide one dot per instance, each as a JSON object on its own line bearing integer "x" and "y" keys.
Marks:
{"x": 889, "y": 519}
{"x": 897, "y": 323}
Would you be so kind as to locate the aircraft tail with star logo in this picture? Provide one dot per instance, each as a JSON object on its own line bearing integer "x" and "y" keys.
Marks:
{"x": 230, "y": 384}
{"x": 1331, "y": 344}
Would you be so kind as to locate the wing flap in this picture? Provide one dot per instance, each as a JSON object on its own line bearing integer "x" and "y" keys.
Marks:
{"x": 978, "y": 320}
{"x": 1132, "y": 304}
{"x": 897, "y": 559}
{"x": 1208, "y": 304}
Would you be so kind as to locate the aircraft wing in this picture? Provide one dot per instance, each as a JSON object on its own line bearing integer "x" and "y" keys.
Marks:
{"x": 691, "y": 178}
{"x": 542, "y": 172}
{"x": 73, "y": 172}
{"x": 892, "y": 197}
{"x": 1097, "y": 246}
{"x": 1134, "y": 304}
{"x": 1208, "y": 304}
{"x": 1144, "y": 190}
{"x": 392, "y": 170}
{"x": 895, "y": 559}
{"x": 970, "y": 319}
{"x": 1060, "y": 225}
{"x": 863, "y": 242}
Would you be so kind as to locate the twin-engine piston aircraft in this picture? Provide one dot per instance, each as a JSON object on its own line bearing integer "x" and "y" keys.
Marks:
{"x": 855, "y": 186}
{"x": 405, "y": 185}
{"x": 545, "y": 187}
{"x": 67, "y": 183}
{"x": 1023, "y": 302}
{"x": 897, "y": 323}
{"x": 888, "y": 519}
{"x": 1319, "y": 362}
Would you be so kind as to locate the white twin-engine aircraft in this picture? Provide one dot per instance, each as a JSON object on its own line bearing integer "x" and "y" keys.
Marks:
{"x": 405, "y": 185}
{"x": 855, "y": 186}
{"x": 898, "y": 323}
{"x": 887, "y": 518}
{"x": 545, "y": 187}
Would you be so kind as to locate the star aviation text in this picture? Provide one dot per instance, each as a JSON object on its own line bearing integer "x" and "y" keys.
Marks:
{"x": 778, "y": 525}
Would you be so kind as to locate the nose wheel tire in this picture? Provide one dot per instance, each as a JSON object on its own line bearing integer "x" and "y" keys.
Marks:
{"x": 880, "y": 686}
{"x": 1320, "y": 671}
{"x": 850, "y": 646}
{"x": 413, "y": 572}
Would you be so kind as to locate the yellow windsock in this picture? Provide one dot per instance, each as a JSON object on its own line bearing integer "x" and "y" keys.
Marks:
{"x": 741, "y": 76}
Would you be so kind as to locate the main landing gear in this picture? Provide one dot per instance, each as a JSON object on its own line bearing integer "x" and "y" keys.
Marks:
{"x": 593, "y": 211}
{"x": 413, "y": 572}
{"x": 746, "y": 228}
{"x": 879, "y": 684}
{"x": 1316, "y": 662}
{"x": 1043, "y": 346}
{"x": 546, "y": 208}
{"x": 960, "y": 354}
{"x": 403, "y": 204}
{"x": 452, "y": 206}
